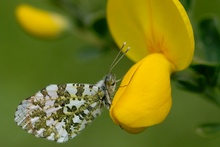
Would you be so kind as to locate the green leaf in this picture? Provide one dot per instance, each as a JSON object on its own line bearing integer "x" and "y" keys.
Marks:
{"x": 83, "y": 12}
{"x": 210, "y": 39}
{"x": 208, "y": 130}
{"x": 187, "y": 4}
{"x": 202, "y": 79}
{"x": 100, "y": 26}
{"x": 210, "y": 72}
{"x": 190, "y": 80}
{"x": 213, "y": 95}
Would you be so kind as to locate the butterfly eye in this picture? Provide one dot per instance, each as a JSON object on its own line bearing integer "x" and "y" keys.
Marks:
{"x": 113, "y": 84}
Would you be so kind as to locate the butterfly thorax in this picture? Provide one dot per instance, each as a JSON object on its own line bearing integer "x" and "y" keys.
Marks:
{"x": 108, "y": 84}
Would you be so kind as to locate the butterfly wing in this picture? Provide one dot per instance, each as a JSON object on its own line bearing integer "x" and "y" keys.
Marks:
{"x": 59, "y": 112}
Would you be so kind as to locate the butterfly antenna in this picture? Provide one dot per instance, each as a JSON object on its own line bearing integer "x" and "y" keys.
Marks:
{"x": 117, "y": 58}
{"x": 117, "y": 55}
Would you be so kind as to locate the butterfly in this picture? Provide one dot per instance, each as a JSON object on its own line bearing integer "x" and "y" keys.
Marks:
{"x": 60, "y": 112}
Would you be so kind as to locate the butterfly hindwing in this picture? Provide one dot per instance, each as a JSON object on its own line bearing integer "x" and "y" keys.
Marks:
{"x": 60, "y": 112}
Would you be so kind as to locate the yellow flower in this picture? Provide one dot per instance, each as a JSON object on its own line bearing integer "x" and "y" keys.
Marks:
{"x": 162, "y": 42}
{"x": 41, "y": 23}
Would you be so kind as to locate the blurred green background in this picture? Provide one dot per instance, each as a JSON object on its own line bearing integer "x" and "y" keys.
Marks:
{"x": 28, "y": 64}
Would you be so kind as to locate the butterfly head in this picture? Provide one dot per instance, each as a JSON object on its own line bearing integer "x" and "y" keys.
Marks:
{"x": 110, "y": 84}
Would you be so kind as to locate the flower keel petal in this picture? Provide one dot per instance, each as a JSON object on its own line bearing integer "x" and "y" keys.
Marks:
{"x": 143, "y": 99}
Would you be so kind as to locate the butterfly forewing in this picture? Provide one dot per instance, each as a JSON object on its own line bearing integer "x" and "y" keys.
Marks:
{"x": 60, "y": 112}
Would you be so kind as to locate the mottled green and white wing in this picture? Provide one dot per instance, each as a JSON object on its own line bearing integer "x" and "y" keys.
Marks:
{"x": 59, "y": 112}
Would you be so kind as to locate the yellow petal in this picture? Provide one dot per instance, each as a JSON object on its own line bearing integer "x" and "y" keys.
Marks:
{"x": 150, "y": 26}
{"x": 41, "y": 23}
{"x": 144, "y": 96}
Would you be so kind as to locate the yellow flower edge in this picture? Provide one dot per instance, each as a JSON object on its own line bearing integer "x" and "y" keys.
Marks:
{"x": 143, "y": 99}
{"x": 152, "y": 26}
{"x": 41, "y": 23}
